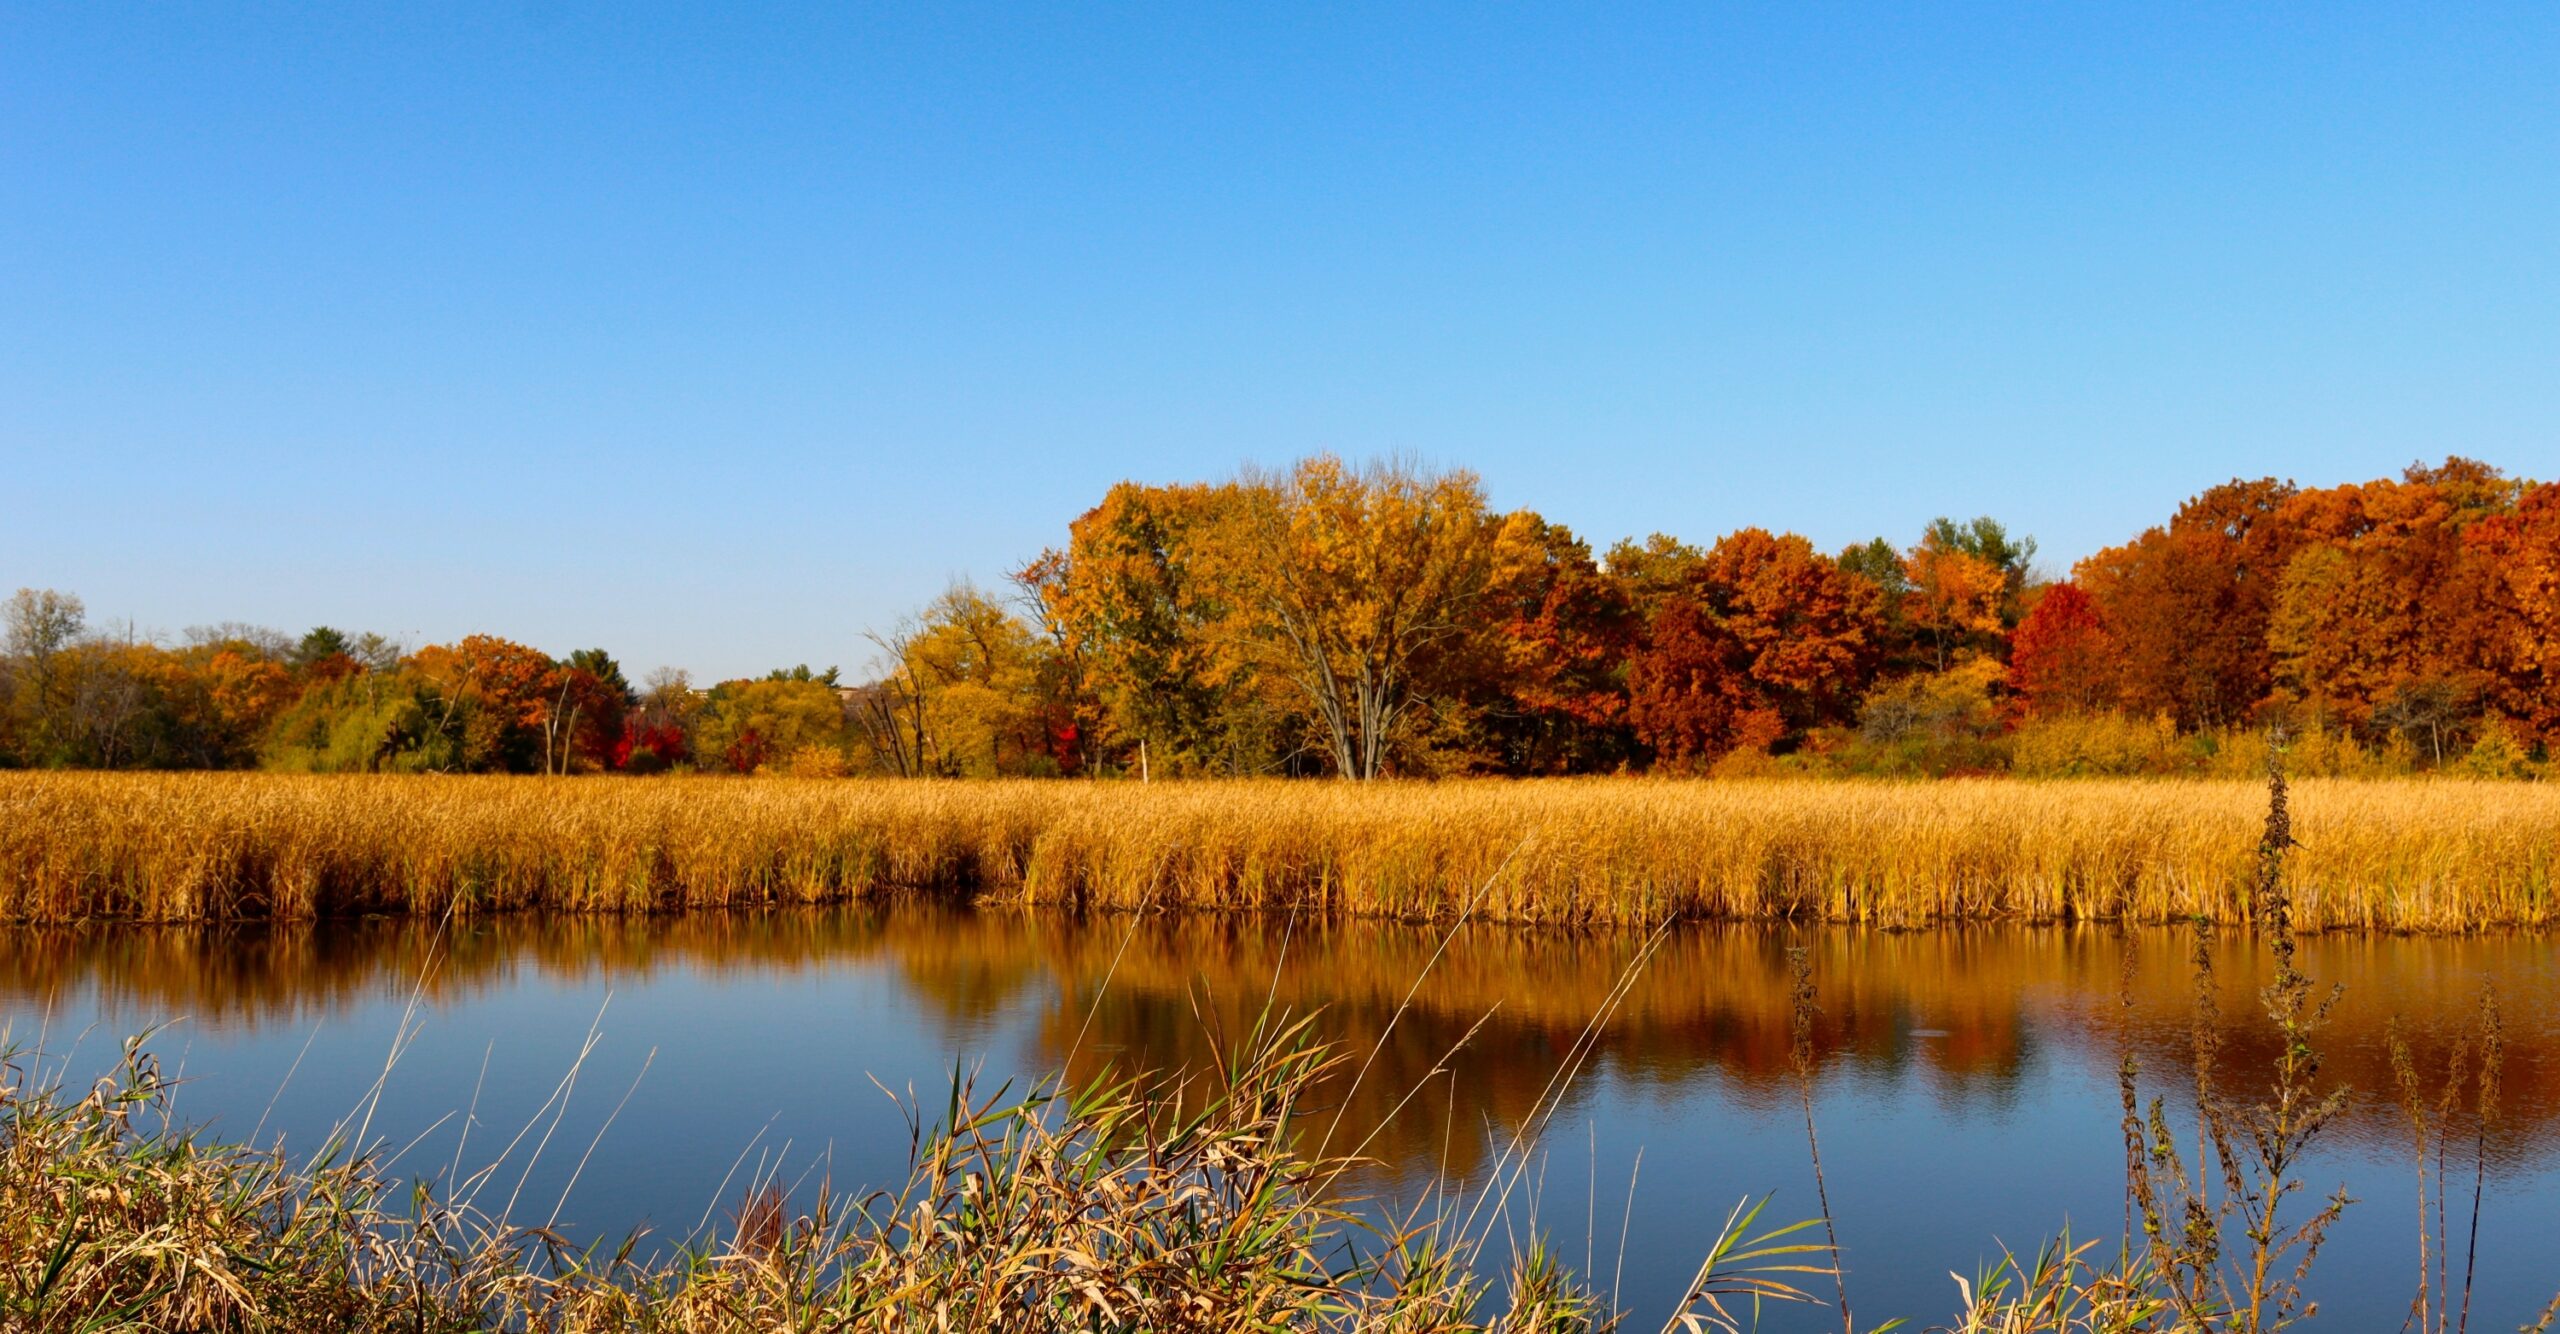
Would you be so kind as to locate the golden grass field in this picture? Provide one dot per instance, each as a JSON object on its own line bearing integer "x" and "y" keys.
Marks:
{"x": 2431, "y": 855}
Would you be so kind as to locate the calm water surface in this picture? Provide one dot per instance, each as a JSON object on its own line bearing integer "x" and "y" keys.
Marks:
{"x": 1966, "y": 1090}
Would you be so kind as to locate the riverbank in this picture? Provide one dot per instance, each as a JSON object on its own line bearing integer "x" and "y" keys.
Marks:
{"x": 2435, "y": 855}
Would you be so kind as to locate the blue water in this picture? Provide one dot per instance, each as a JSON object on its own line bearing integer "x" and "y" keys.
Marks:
{"x": 645, "y": 1073}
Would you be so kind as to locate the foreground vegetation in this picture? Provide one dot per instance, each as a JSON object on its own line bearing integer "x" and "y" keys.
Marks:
{"x": 2437, "y": 855}
{"x": 1112, "y": 1206}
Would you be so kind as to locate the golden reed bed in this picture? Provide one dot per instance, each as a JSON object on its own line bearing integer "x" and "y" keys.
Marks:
{"x": 2436, "y": 855}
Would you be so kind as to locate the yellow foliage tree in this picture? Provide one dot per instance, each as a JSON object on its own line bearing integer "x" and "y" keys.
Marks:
{"x": 745, "y": 726}
{"x": 1361, "y": 588}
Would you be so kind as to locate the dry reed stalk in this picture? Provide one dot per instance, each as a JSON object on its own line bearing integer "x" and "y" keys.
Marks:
{"x": 2423, "y": 856}
{"x": 2436, "y": 855}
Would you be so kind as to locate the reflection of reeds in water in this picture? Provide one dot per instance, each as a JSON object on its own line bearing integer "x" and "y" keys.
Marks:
{"x": 2435, "y": 855}
{"x": 1966, "y": 1006}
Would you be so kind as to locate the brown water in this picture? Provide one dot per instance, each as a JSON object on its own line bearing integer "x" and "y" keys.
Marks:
{"x": 1966, "y": 1083}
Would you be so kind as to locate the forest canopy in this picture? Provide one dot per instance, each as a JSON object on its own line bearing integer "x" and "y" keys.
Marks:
{"x": 1382, "y": 619}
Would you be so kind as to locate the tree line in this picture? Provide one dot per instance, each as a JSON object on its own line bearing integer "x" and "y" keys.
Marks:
{"x": 1384, "y": 619}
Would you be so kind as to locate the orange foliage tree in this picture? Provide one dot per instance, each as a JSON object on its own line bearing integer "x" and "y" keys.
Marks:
{"x": 2377, "y": 606}
{"x": 216, "y": 700}
{"x": 2189, "y": 603}
{"x": 497, "y": 693}
{"x": 2519, "y": 634}
{"x": 1564, "y": 631}
{"x": 1955, "y": 599}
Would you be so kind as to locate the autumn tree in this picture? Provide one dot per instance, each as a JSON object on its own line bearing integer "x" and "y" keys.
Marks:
{"x": 583, "y": 717}
{"x": 979, "y": 669}
{"x": 1357, "y": 587}
{"x": 1988, "y": 540}
{"x": 2063, "y": 658}
{"x": 2189, "y": 603}
{"x": 2376, "y": 604}
{"x": 213, "y": 702}
{"x": 1557, "y": 685}
{"x": 1809, "y": 627}
{"x": 1070, "y": 717}
{"x": 2518, "y": 637}
{"x": 1140, "y": 605}
{"x": 658, "y": 733}
{"x": 40, "y": 629}
{"x": 1964, "y": 581}
{"x": 2473, "y": 489}
{"x": 1690, "y": 691}
{"x": 889, "y": 712}
{"x": 498, "y": 693}
{"x": 749, "y": 726}
{"x": 1770, "y": 637}
{"x": 966, "y": 688}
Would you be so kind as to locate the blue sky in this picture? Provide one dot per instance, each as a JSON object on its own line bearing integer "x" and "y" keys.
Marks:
{"x": 717, "y": 334}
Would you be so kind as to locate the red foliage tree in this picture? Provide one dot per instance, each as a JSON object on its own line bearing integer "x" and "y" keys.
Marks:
{"x": 1770, "y": 637}
{"x": 1566, "y": 627}
{"x": 2189, "y": 603}
{"x": 1689, "y": 688}
{"x": 2063, "y": 659}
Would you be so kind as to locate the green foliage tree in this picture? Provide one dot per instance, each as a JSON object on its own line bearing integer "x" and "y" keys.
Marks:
{"x": 320, "y": 646}
{"x": 748, "y": 726}
{"x": 374, "y": 722}
{"x": 40, "y": 629}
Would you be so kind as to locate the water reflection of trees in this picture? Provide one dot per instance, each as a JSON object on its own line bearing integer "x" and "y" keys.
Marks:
{"x": 1970, "y": 1012}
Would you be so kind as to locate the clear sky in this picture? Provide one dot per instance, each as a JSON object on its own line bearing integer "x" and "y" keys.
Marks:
{"x": 717, "y": 334}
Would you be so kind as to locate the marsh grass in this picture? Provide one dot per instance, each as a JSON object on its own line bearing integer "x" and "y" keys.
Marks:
{"x": 2213, "y": 1244}
{"x": 2433, "y": 855}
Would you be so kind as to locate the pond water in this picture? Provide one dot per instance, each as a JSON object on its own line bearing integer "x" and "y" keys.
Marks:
{"x": 1965, "y": 1081}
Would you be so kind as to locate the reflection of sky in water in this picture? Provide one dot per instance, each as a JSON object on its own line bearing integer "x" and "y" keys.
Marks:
{"x": 1967, "y": 1091}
